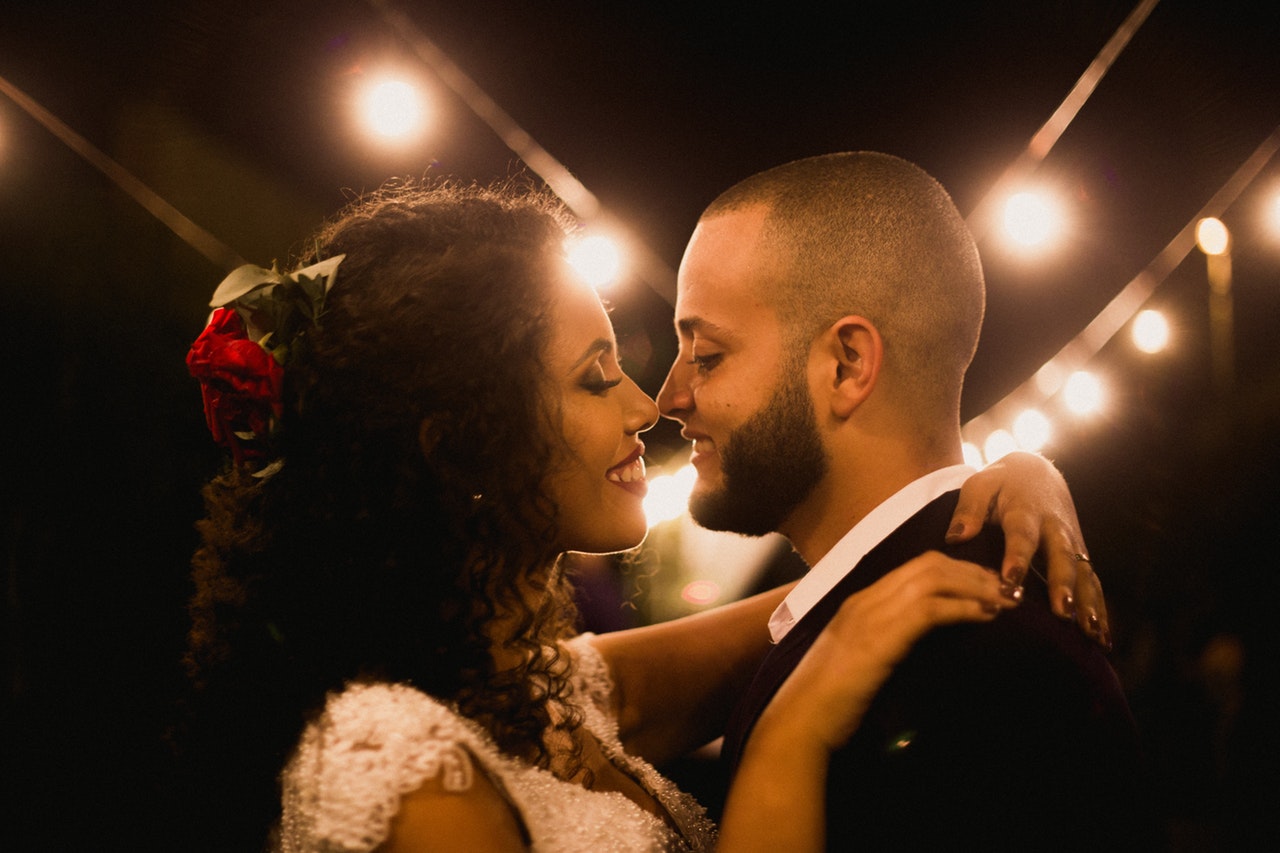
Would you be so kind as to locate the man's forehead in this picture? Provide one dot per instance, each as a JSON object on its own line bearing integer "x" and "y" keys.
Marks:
{"x": 709, "y": 305}
{"x": 739, "y": 228}
{"x": 722, "y": 265}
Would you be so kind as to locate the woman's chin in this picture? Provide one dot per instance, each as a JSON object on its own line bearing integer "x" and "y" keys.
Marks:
{"x": 614, "y": 538}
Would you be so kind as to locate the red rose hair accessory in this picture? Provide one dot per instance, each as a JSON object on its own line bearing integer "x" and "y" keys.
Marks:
{"x": 260, "y": 319}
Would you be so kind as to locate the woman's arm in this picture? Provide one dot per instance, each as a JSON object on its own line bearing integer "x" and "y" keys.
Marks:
{"x": 478, "y": 820}
{"x": 777, "y": 801}
{"x": 675, "y": 682}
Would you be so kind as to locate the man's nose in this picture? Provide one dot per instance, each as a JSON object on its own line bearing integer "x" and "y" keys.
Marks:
{"x": 675, "y": 398}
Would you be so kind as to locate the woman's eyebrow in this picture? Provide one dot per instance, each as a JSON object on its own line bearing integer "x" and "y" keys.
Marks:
{"x": 599, "y": 345}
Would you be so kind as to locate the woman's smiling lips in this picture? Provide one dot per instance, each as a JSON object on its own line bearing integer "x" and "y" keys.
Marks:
{"x": 629, "y": 473}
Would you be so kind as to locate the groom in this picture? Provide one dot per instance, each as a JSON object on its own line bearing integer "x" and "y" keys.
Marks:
{"x": 827, "y": 311}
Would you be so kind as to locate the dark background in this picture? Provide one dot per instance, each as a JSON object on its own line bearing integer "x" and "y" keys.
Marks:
{"x": 238, "y": 113}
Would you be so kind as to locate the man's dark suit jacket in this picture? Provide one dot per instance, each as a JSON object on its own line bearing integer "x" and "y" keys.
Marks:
{"x": 1013, "y": 734}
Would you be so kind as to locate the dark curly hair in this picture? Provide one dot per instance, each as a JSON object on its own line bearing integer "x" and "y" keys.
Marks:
{"x": 407, "y": 511}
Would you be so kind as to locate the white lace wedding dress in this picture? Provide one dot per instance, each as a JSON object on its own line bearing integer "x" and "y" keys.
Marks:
{"x": 375, "y": 743}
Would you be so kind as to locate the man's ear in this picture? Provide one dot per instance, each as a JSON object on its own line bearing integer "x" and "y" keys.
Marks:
{"x": 854, "y": 353}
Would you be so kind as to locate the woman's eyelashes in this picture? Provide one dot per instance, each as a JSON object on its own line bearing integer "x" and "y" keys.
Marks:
{"x": 596, "y": 382}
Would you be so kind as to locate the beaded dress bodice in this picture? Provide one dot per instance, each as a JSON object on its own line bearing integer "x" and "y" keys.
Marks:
{"x": 375, "y": 743}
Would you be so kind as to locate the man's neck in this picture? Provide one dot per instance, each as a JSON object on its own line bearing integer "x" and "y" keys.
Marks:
{"x": 843, "y": 498}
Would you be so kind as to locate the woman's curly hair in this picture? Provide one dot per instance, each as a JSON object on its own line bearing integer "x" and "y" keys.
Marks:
{"x": 408, "y": 508}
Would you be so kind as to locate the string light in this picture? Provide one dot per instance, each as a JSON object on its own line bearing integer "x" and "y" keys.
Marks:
{"x": 397, "y": 112}
{"x": 393, "y": 110}
{"x": 1035, "y": 218}
{"x": 1150, "y": 331}
{"x": 1032, "y": 430}
{"x": 999, "y": 443}
{"x": 972, "y": 455}
{"x": 1212, "y": 236}
{"x": 1032, "y": 220}
{"x": 668, "y": 495}
{"x": 1083, "y": 393}
{"x": 597, "y": 259}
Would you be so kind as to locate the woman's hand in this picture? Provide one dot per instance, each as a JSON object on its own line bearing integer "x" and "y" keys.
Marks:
{"x": 1028, "y": 497}
{"x": 872, "y": 632}
{"x": 778, "y": 797}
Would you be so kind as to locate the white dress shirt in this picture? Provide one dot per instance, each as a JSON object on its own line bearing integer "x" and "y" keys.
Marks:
{"x": 854, "y": 545}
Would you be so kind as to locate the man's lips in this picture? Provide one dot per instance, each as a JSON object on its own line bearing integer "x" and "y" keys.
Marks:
{"x": 703, "y": 447}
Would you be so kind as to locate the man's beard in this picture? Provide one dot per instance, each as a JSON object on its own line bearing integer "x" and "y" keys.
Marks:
{"x": 769, "y": 465}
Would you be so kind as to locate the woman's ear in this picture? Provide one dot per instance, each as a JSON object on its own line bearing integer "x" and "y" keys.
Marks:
{"x": 854, "y": 353}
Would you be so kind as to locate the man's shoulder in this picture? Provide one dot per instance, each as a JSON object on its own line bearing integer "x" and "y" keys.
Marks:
{"x": 978, "y": 712}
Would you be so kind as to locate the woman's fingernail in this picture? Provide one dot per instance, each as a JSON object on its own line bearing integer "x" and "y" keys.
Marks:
{"x": 1011, "y": 591}
{"x": 1092, "y": 619}
{"x": 956, "y": 530}
{"x": 1017, "y": 575}
{"x": 1069, "y": 606}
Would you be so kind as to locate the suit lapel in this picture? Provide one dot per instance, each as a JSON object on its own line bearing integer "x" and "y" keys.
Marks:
{"x": 923, "y": 531}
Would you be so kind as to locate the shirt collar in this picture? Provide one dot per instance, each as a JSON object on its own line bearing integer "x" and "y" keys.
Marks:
{"x": 861, "y": 538}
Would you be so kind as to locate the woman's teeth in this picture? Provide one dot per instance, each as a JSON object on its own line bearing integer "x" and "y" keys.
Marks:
{"x": 629, "y": 473}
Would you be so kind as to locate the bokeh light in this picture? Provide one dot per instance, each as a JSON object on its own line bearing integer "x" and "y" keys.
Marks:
{"x": 1083, "y": 393}
{"x": 972, "y": 455}
{"x": 998, "y": 445}
{"x": 1150, "y": 331}
{"x": 1032, "y": 220}
{"x": 1272, "y": 214}
{"x": 393, "y": 110}
{"x": 597, "y": 259}
{"x": 701, "y": 593}
{"x": 1212, "y": 236}
{"x": 1032, "y": 430}
{"x": 668, "y": 495}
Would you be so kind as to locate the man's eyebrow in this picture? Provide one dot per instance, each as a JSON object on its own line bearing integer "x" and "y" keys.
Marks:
{"x": 599, "y": 345}
{"x": 692, "y": 325}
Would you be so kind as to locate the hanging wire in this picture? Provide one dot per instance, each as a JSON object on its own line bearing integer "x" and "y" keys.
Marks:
{"x": 192, "y": 234}
{"x": 1047, "y": 136}
{"x": 1048, "y": 380}
{"x": 651, "y": 269}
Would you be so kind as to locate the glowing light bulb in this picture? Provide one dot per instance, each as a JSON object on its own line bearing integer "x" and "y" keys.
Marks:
{"x": 668, "y": 495}
{"x": 972, "y": 455}
{"x": 596, "y": 259}
{"x": 393, "y": 110}
{"x": 1032, "y": 430}
{"x": 1083, "y": 393}
{"x": 1031, "y": 219}
{"x": 1212, "y": 236}
{"x": 999, "y": 444}
{"x": 1150, "y": 331}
